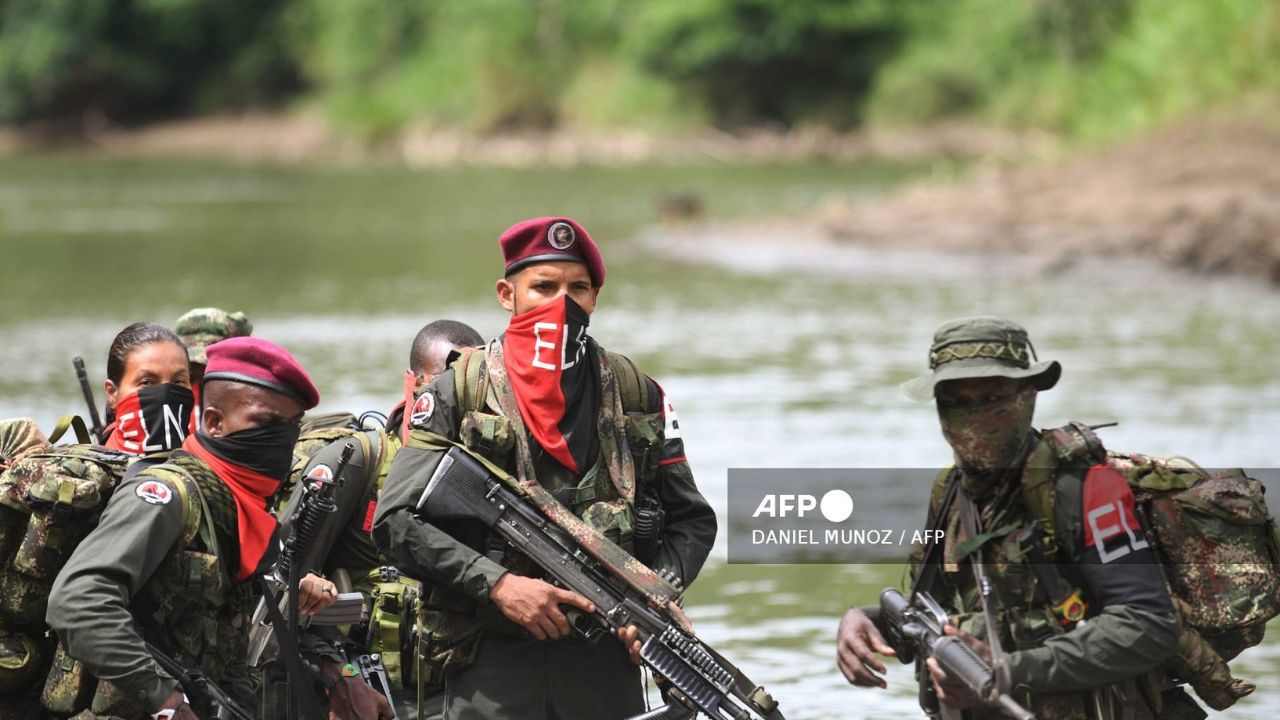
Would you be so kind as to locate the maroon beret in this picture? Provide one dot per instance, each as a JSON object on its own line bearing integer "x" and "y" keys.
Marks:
{"x": 261, "y": 362}
{"x": 550, "y": 238}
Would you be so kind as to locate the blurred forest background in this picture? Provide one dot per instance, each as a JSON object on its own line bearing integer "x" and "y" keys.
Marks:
{"x": 1083, "y": 69}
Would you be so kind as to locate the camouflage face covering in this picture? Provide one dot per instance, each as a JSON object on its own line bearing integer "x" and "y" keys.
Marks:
{"x": 988, "y": 439}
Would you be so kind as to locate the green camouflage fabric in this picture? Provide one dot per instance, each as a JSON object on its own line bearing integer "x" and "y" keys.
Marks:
{"x": 49, "y": 501}
{"x": 191, "y": 608}
{"x": 201, "y": 327}
{"x": 18, "y": 437}
{"x": 989, "y": 439}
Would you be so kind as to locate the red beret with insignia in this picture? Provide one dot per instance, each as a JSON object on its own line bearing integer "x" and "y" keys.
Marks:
{"x": 550, "y": 238}
{"x": 263, "y": 363}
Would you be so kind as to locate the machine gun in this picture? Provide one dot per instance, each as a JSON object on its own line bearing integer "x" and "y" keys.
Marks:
{"x": 200, "y": 688}
{"x": 96, "y": 428}
{"x": 700, "y": 679}
{"x": 917, "y": 628}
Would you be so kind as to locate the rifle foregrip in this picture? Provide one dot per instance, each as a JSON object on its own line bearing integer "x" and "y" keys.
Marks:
{"x": 959, "y": 661}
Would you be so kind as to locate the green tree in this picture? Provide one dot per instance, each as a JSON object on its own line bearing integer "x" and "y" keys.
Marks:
{"x": 772, "y": 60}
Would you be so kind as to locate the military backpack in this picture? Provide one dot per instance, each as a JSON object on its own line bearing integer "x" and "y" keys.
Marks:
{"x": 51, "y": 497}
{"x": 1213, "y": 534}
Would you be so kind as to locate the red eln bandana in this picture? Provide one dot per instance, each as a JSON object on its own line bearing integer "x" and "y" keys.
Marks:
{"x": 153, "y": 419}
{"x": 552, "y": 366}
{"x": 251, "y": 491}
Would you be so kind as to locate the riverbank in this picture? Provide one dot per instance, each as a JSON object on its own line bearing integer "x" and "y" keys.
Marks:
{"x": 288, "y": 139}
{"x": 1202, "y": 197}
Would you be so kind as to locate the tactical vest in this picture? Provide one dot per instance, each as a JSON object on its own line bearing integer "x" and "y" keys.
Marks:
{"x": 190, "y": 608}
{"x": 605, "y": 497}
{"x": 393, "y": 599}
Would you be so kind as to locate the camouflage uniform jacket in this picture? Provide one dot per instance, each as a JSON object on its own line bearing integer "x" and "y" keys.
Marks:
{"x": 155, "y": 569}
{"x": 456, "y": 557}
{"x": 1131, "y": 625}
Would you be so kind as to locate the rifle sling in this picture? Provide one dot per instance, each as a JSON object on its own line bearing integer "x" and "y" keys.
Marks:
{"x": 930, "y": 564}
{"x": 972, "y": 524}
{"x": 299, "y": 681}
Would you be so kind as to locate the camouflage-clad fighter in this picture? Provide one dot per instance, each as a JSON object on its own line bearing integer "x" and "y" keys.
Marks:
{"x": 149, "y": 395}
{"x": 171, "y": 559}
{"x": 985, "y": 383}
{"x": 549, "y": 405}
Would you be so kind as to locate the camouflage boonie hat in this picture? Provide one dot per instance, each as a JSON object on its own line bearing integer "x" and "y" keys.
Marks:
{"x": 979, "y": 347}
{"x": 201, "y": 327}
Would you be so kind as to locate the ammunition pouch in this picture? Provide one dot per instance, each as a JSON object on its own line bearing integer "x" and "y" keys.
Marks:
{"x": 391, "y": 623}
{"x": 448, "y": 631}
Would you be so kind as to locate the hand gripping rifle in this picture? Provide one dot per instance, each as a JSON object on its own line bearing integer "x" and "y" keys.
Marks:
{"x": 200, "y": 688}
{"x": 917, "y": 628}
{"x": 700, "y": 678}
{"x": 96, "y": 428}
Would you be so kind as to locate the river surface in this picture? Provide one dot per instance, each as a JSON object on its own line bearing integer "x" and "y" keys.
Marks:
{"x": 777, "y": 355}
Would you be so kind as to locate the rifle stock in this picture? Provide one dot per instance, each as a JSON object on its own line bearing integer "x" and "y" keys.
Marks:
{"x": 700, "y": 678}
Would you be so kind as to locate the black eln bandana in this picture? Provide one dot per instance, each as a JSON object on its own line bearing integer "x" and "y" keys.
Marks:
{"x": 156, "y": 418}
{"x": 267, "y": 450}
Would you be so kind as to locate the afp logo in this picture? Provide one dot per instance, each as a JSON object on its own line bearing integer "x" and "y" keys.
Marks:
{"x": 836, "y": 505}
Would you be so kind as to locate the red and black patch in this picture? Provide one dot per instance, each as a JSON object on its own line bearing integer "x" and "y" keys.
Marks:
{"x": 1110, "y": 520}
{"x": 423, "y": 408}
{"x": 155, "y": 492}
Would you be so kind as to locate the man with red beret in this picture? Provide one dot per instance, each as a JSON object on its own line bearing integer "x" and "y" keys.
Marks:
{"x": 548, "y": 404}
{"x": 173, "y": 558}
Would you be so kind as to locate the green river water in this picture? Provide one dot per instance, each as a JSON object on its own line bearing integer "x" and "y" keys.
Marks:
{"x": 781, "y": 354}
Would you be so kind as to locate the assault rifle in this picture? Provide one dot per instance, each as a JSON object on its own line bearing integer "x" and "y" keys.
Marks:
{"x": 699, "y": 678}
{"x": 96, "y": 428}
{"x": 917, "y": 628}
{"x": 277, "y": 611}
{"x": 200, "y": 688}
{"x": 306, "y": 520}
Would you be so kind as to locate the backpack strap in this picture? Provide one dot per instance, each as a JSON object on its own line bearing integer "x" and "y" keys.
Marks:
{"x": 72, "y": 422}
{"x": 470, "y": 380}
{"x": 632, "y": 384}
{"x": 1072, "y": 446}
{"x": 184, "y": 484}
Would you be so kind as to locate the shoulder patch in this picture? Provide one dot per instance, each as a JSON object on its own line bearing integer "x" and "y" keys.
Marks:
{"x": 423, "y": 408}
{"x": 1111, "y": 524}
{"x": 155, "y": 492}
{"x": 320, "y": 473}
